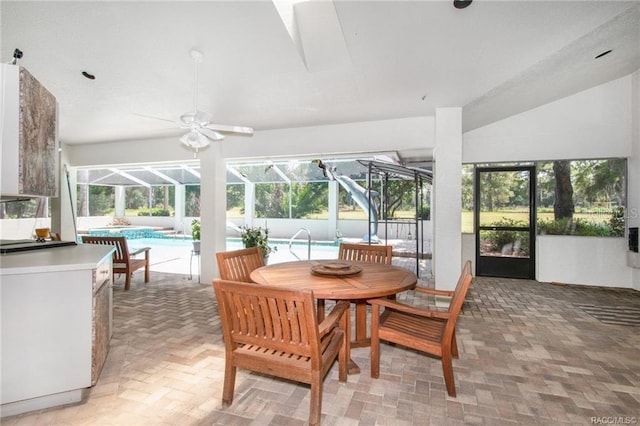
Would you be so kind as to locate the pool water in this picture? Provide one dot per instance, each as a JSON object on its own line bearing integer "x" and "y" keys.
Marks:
{"x": 173, "y": 255}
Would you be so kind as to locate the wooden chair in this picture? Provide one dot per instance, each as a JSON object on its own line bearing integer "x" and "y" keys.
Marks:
{"x": 426, "y": 330}
{"x": 237, "y": 265}
{"x": 371, "y": 253}
{"x": 124, "y": 262}
{"x": 275, "y": 331}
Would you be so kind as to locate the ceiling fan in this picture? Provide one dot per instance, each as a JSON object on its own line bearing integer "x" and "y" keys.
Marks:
{"x": 198, "y": 123}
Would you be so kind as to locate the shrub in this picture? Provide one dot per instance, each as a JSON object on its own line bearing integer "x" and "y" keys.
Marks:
{"x": 257, "y": 237}
{"x": 579, "y": 227}
{"x": 499, "y": 239}
{"x": 616, "y": 222}
{"x": 195, "y": 229}
{"x": 425, "y": 213}
{"x": 154, "y": 212}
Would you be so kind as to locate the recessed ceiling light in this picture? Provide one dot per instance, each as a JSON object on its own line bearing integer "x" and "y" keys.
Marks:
{"x": 603, "y": 53}
{"x": 461, "y": 4}
{"x": 89, "y": 76}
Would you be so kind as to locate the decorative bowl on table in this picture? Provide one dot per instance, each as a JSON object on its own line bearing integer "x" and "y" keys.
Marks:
{"x": 335, "y": 269}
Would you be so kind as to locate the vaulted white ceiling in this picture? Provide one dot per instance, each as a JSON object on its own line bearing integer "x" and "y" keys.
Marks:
{"x": 322, "y": 63}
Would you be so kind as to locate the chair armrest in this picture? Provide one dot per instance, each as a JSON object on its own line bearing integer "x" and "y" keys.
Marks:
{"x": 435, "y": 292}
{"x": 140, "y": 250}
{"x": 334, "y": 316}
{"x": 392, "y": 304}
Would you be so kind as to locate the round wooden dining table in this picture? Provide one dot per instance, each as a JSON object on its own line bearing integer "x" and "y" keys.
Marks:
{"x": 372, "y": 281}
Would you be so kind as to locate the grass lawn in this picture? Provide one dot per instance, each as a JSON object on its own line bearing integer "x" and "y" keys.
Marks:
{"x": 467, "y": 216}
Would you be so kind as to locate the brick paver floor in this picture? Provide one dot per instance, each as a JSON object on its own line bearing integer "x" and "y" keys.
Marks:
{"x": 530, "y": 354}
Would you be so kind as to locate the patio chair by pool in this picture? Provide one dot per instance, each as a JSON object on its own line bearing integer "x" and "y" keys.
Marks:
{"x": 124, "y": 262}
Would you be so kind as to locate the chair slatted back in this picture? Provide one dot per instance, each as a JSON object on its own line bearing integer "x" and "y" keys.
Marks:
{"x": 237, "y": 265}
{"x": 121, "y": 255}
{"x": 373, "y": 253}
{"x": 274, "y": 318}
{"x": 455, "y": 305}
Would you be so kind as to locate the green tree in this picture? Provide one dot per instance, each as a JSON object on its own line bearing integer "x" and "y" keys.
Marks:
{"x": 101, "y": 200}
{"x": 545, "y": 184}
{"x": 599, "y": 180}
{"x": 563, "y": 206}
{"x": 399, "y": 194}
{"x": 520, "y": 189}
{"x": 495, "y": 190}
{"x": 136, "y": 197}
{"x": 271, "y": 200}
{"x": 192, "y": 201}
{"x": 235, "y": 196}
{"x": 309, "y": 198}
{"x": 467, "y": 187}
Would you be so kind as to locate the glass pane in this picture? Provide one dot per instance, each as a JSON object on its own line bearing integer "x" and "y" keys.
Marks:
{"x": 582, "y": 197}
{"x": 504, "y": 198}
{"x": 505, "y": 244}
{"x": 467, "y": 198}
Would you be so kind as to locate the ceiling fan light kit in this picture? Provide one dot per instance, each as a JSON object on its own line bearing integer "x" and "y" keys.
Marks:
{"x": 195, "y": 140}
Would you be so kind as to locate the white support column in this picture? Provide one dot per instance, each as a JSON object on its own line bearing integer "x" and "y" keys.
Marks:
{"x": 249, "y": 203}
{"x": 213, "y": 209}
{"x": 332, "y": 221}
{"x": 179, "y": 201}
{"x": 447, "y": 192}
{"x": 121, "y": 201}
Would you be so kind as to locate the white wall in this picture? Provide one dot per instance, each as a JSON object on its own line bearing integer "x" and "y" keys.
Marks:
{"x": 595, "y": 123}
{"x": 582, "y": 260}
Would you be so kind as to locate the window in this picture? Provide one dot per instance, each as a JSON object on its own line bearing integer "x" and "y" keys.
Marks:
{"x": 582, "y": 197}
{"x": 574, "y": 197}
{"x": 235, "y": 200}
{"x": 95, "y": 200}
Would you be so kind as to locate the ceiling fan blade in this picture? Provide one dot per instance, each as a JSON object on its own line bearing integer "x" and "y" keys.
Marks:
{"x": 154, "y": 118}
{"x": 211, "y": 134}
{"x": 230, "y": 129}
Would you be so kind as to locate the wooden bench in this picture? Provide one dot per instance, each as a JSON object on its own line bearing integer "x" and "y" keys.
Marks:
{"x": 124, "y": 262}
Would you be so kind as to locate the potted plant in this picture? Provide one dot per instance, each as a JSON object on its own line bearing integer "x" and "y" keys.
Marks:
{"x": 256, "y": 236}
{"x": 195, "y": 234}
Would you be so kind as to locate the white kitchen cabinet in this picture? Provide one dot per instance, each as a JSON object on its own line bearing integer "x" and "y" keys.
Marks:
{"x": 56, "y": 309}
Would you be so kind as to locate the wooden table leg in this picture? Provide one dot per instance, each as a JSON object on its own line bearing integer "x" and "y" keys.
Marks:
{"x": 361, "y": 340}
{"x": 352, "y": 367}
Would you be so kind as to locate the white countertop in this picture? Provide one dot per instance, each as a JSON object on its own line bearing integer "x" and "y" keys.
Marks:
{"x": 55, "y": 259}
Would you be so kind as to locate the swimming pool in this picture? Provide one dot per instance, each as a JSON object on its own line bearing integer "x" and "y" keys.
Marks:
{"x": 173, "y": 255}
{"x": 319, "y": 249}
